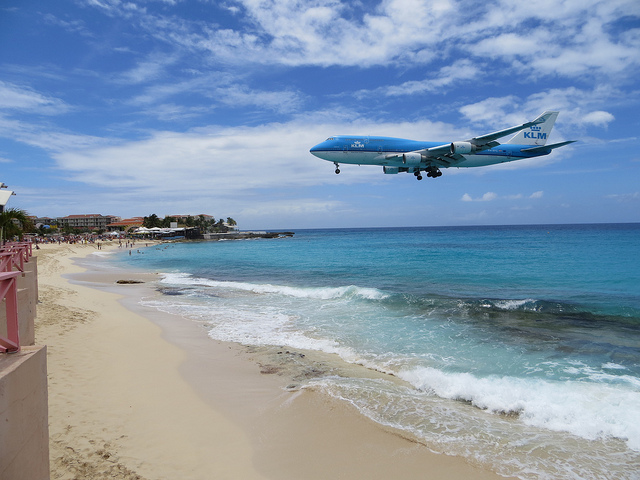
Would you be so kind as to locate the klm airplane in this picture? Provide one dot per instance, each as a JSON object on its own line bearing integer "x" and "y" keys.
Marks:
{"x": 398, "y": 155}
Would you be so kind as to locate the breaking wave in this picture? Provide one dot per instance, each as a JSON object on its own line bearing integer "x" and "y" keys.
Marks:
{"x": 320, "y": 293}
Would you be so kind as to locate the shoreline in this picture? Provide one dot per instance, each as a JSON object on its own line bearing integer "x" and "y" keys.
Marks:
{"x": 144, "y": 394}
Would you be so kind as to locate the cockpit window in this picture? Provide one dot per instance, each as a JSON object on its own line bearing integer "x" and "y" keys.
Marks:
{"x": 330, "y": 138}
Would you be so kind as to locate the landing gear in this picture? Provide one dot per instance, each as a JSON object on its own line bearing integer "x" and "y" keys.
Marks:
{"x": 337, "y": 168}
{"x": 433, "y": 172}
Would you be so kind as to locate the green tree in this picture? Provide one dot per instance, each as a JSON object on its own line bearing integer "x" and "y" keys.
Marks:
{"x": 14, "y": 221}
{"x": 231, "y": 222}
{"x": 151, "y": 221}
{"x": 220, "y": 226}
{"x": 166, "y": 222}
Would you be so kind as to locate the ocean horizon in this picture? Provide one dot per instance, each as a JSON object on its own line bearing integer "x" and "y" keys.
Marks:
{"x": 518, "y": 345}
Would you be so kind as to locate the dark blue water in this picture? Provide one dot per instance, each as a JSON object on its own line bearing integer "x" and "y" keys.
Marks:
{"x": 520, "y": 345}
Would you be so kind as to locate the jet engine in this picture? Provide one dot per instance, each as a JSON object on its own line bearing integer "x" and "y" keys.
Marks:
{"x": 391, "y": 170}
{"x": 462, "y": 147}
{"x": 411, "y": 158}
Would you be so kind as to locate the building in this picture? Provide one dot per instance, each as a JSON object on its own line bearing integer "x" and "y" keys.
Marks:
{"x": 91, "y": 222}
{"x": 126, "y": 224}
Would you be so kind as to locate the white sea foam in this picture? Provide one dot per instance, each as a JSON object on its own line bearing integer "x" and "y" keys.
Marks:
{"x": 512, "y": 304}
{"x": 509, "y": 446}
{"x": 102, "y": 254}
{"x": 320, "y": 293}
{"x": 266, "y": 326}
{"x": 588, "y": 410}
{"x": 613, "y": 366}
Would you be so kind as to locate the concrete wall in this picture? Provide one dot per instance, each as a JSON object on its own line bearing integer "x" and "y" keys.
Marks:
{"x": 29, "y": 278}
{"x": 24, "y": 427}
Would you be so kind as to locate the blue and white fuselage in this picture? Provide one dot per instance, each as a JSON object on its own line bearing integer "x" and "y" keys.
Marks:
{"x": 397, "y": 155}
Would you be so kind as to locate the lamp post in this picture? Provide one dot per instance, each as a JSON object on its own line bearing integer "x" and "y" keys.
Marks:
{"x": 4, "y": 198}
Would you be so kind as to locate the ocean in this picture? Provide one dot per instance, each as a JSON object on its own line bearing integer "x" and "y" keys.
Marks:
{"x": 518, "y": 346}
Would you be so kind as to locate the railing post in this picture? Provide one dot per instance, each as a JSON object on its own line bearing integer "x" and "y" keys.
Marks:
{"x": 9, "y": 292}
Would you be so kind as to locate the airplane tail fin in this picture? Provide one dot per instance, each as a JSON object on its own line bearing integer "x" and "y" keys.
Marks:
{"x": 536, "y": 134}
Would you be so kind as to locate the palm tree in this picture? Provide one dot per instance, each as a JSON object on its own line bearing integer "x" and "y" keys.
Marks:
{"x": 166, "y": 222}
{"x": 13, "y": 221}
{"x": 151, "y": 221}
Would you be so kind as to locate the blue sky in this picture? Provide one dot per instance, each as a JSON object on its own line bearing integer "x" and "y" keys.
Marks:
{"x": 136, "y": 107}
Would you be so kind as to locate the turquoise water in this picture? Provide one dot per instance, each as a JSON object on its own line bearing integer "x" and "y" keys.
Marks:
{"x": 520, "y": 344}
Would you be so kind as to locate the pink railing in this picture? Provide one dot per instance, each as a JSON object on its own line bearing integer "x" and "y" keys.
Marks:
{"x": 15, "y": 255}
{"x": 12, "y": 255}
{"x": 9, "y": 293}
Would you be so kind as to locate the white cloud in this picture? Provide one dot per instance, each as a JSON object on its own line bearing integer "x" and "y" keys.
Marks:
{"x": 73, "y": 26}
{"x": 239, "y": 96}
{"x": 625, "y": 197}
{"x": 487, "y": 197}
{"x": 512, "y": 44}
{"x": 490, "y": 196}
{"x": 209, "y": 161}
{"x": 460, "y": 72}
{"x": 220, "y": 89}
{"x": 492, "y": 111}
{"x": 598, "y": 118}
{"x": 23, "y": 99}
{"x": 572, "y": 38}
{"x": 171, "y": 112}
{"x": 44, "y": 137}
{"x": 147, "y": 70}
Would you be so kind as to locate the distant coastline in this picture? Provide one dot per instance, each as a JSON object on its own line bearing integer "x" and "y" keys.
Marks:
{"x": 245, "y": 235}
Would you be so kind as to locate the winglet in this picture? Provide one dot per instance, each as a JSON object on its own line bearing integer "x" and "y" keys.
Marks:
{"x": 544, "y": 117}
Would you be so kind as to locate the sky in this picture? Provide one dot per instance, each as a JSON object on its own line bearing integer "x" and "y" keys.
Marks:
{"x": 136, "y": 107}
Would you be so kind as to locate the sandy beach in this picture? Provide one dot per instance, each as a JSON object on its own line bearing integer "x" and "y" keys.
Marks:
{"x": 138, "y": 394}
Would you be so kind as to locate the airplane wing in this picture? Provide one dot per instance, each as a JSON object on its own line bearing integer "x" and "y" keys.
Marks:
{"x": 446, "y": 155}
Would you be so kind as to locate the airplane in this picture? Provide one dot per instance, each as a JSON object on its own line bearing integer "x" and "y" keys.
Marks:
{"x": 399, "y": 155}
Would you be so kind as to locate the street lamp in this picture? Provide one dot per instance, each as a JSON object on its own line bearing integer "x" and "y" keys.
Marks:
{"x": 4, "y": 198}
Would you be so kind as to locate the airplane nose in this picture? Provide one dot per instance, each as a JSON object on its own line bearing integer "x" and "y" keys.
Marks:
{"x": 315, "y": 149}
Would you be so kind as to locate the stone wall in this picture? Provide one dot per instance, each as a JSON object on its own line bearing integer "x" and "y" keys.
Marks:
{"x": 24, "y": 419}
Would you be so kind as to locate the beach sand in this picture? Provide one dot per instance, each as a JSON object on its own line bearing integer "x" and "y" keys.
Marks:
{"x": 138, "y": 394}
